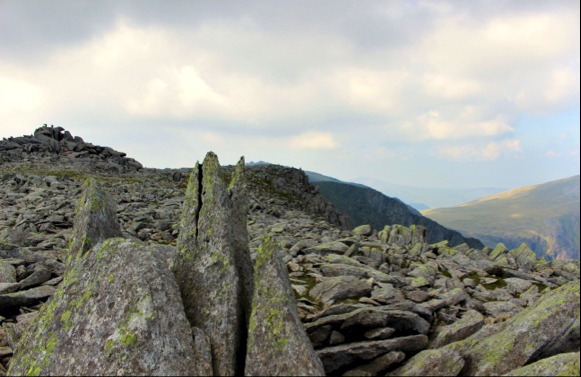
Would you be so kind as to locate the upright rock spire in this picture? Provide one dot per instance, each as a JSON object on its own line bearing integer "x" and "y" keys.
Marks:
{"x": 213, "y": 253}
{"x": 95, "y": 219}
{"x": 277, "y": 342}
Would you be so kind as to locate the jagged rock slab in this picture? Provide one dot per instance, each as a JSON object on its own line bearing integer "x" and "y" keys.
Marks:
{"x": 95, "y": 219}
{"x": 525, "y": 336}
{"x": 277, "y": 342}
{"x": 209, "y": 264}
{"x": 118, "y": 311}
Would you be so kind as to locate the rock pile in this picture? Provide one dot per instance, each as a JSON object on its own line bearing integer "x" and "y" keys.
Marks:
{"x": 120, "y": 310}
{"x": 59, "y": 146}
{"x": 372, "y": 300}
{"x": 366, "y": 301}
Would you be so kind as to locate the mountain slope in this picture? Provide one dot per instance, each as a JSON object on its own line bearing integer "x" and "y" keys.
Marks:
{"x": 364, "y": 205}
{"x": 421, "y": 197}
{"x": 545, "y": 216}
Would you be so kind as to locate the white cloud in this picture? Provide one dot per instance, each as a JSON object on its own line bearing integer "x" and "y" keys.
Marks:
{"x": 491, "y": 151}
{"x": 313, "y": 140}
{"x": 21, "y": 102}
{"x": 394, "y": 79}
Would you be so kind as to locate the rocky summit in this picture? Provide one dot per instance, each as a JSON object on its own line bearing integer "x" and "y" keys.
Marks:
{"x": 111, "y": 268}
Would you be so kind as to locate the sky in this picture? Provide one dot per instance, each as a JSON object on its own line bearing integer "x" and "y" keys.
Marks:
{"x": 480, "y": 93}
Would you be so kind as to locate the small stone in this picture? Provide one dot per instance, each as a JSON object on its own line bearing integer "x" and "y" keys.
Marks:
{"x": 379, "y": 334}
{"x": 336, "y": 338}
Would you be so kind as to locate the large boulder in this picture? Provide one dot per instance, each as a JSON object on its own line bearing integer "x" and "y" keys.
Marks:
{"x": 210, "y": 260}
{"x": 95, "y": 219}
{"x": 527, "y": 336}
{"x": 117, "y": 311}
{"x": 277, "y": 342}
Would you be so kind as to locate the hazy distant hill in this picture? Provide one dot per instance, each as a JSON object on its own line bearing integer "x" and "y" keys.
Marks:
{"x": 364, "y": 205}
{"x": 546, "y": 216}
{"x": 424, "y": 197}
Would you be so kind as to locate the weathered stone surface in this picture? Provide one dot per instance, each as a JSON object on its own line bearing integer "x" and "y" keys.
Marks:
{"x": 238, "y": 191}
{"x": 564, "y": 364}
{"x": 452, "y": 297}
{"x": 95, "y": 219}
{"x": 402, "y": 321}
{"x": 501, "y": 308}
{"x": 339, "y": 358}
{"x": 524, "y": 257}
{"x": 361, "y": 271}
{"x": 26, "y": 298}
{"x": 8, "y": 287}
{"x": 202, "y": 353}
{"x": 207, "y": 269}
{"x": 109, "y": 317}
{"x": 277, "y": 342}
{"x": 378, "y": 365}
{"x": 340, "y": 287}
{"x": 379, "y": 334}
{"x": 438, "y": 362}
{"x": 386, "y": 294}
{"x": 36, "y": 278}
{"x": 7, "y": 272}
{"x": 470, "y": 322}
{"x": 363, "y": 230}
{"x": 524, "y": 336}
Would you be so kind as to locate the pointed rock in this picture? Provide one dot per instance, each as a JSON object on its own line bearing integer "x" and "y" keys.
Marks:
{"x": 95, "y": 219}
{"x": 239, "y": 202}
{"x": 117, "y": 312}
{"x": 209, "y": 263}
{"x": 277, "y": 342}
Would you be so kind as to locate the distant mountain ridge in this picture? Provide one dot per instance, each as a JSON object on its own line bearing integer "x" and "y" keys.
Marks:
{"x": 364, "y": 205}
{"x": 424, "y": 197}
{"x": 545, "y": 216}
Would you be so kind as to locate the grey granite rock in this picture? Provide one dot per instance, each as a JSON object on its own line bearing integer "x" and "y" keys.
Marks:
{"x": 277, "y": 342}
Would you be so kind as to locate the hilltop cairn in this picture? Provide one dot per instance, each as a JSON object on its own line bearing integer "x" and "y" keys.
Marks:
{"x": 125, "y": 307}
{"x": 70, "y": 150}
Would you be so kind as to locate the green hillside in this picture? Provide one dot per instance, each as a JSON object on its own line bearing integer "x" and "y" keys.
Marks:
{"x": 546, "y": 216}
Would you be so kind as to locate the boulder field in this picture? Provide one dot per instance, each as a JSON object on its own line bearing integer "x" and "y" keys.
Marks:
{"x": 247, "y": 270}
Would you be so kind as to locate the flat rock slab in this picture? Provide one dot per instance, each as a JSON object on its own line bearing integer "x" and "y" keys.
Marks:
{"x": 438, "y": 362}
{"x": 28, "y": 297}
{"x": 340, "y": 358}
{"x": 341, "y": 287}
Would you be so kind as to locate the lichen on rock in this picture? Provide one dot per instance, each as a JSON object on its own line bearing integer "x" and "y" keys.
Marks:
{"x": 210, "y": 260}
{"x": 277, "y": 341}
{"x": 95, "y": 325}
{"x": 95, "y": 219}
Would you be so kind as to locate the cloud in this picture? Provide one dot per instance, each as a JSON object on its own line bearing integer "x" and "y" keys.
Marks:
{"x": 292, "y": 79}
{"x": 313, "y": 140}
{"x": 490, "y": 152}
{"x": 552, "y": 154}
